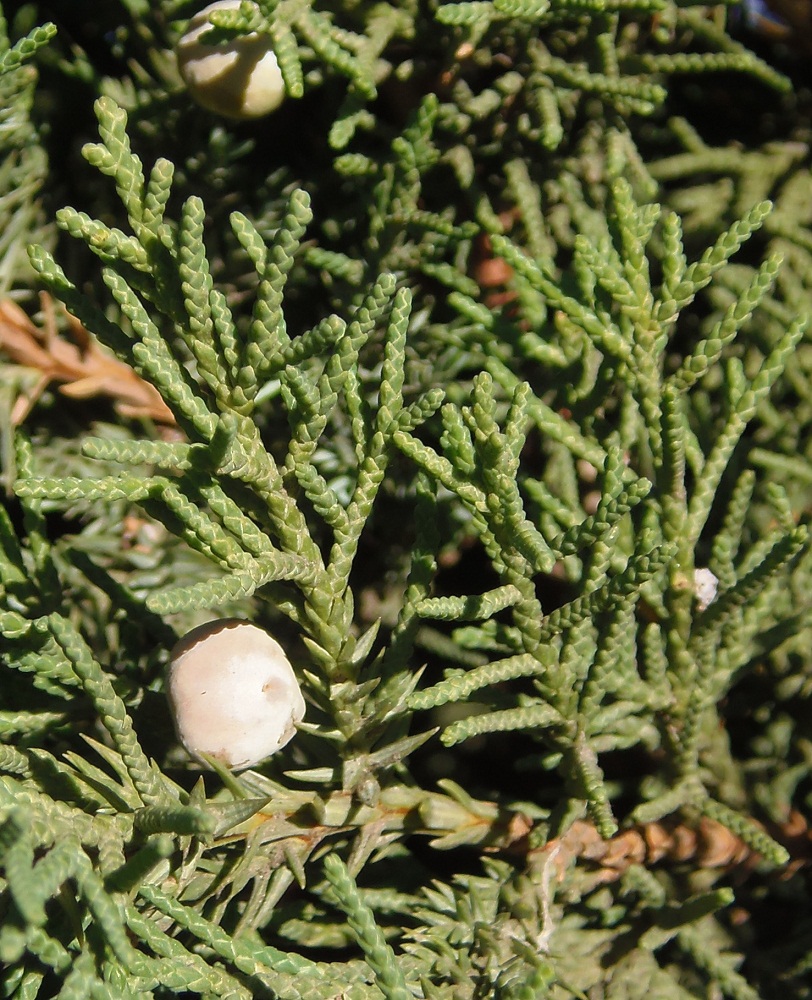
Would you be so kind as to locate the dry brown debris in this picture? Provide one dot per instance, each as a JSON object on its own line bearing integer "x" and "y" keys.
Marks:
{"x": 82, "y": 367}
{"x": 707, "y": 844}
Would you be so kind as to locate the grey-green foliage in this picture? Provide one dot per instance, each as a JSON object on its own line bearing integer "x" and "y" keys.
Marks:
{"x": 584, "y": 661}
{"x": 23, "y": 162}
{"x": 233, "y": 501}
{"x": 231, "y": 498}
{"x": 779, "y": 171}
{"x": 592, "y": 437}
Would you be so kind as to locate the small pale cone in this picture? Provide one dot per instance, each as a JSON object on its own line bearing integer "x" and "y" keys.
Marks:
{"x": 232, "y": 693}
{"x": 706, "y": 586}
{"x": 239, "y": 79}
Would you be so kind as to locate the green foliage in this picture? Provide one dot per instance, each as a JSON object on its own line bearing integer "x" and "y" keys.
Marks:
{"x": 23, "y": 162}
{"x": 485, "y": 309}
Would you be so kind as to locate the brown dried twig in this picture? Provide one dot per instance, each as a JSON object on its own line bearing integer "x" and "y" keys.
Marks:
{"x": 705, "y": 843}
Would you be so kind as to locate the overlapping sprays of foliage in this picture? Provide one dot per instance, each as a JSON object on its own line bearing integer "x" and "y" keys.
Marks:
{"x": 459, "y": 307}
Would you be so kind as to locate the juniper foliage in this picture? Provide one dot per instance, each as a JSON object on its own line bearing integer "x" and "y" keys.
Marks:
{"x": 485, "y": 308}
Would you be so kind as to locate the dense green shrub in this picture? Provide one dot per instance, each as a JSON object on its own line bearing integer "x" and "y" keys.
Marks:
{"x": 489, "y": 386}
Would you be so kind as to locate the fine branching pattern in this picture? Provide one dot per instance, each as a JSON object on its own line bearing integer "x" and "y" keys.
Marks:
{"x": 487, "y": 389}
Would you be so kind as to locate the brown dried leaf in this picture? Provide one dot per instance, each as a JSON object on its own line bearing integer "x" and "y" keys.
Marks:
{"x": 79, "y": 363}
{"x": 658, "y": 841}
